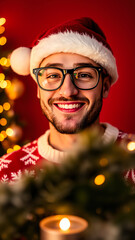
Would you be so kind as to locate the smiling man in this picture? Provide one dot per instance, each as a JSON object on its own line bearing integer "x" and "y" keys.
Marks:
{"x": 74, "y": 68}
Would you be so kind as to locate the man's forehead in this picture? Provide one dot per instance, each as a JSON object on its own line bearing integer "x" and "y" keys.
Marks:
{"x": 64, "y": 59}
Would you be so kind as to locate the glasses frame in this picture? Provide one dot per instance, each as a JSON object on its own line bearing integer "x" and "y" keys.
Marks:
{"x": 67, "y": 71}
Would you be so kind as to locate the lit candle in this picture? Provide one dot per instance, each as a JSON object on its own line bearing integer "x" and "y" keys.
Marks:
{"x": 63, "y": 227}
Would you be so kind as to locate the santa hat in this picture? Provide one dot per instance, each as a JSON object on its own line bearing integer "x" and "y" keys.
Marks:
{"x": 81, "y": 36}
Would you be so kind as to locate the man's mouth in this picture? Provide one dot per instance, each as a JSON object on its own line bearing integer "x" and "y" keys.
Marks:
{"x": 69, "y": 107}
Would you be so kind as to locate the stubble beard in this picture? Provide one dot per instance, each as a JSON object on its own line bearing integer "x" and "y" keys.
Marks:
{"x": 88, "y": 119}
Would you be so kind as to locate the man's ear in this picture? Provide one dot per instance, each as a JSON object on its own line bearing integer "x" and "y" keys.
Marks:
{"x": 38, "y": 93}
{"x": 106, "y": 86}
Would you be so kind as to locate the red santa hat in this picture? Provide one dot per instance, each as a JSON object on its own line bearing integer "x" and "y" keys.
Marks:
{"x": 81, "y": 36}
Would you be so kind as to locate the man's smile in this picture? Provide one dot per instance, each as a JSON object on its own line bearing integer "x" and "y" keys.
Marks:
{"x": 69, "y": 107}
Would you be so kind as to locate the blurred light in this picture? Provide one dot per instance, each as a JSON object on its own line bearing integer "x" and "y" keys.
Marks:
{"x": 1, "y": 137}
{"x": 99, "y": 180}
{"x": 3, "y": 41}
{"x": 1, "y": 109}
{"x": 131, "y": 146}
{"x": 9, "y": 131}
{"x": 2, "y": 76}
{"x": 64, "y": 224}
{"x": 3, "y": 84}
{"x": 8, "y": 63}
{"x": 3, "y": 121}
{"x": 16, "y": 147}
{"x": 4, "y": 133}
{"x": 2, "y": 29}
{"x": 6, "y": 106}
{"x": 2, "y": 21}
{"x": 3, "y": 61}
{"x": 103, "y": 162}
{"x": 9, "y": 150}
{"x": 8, "y": 83}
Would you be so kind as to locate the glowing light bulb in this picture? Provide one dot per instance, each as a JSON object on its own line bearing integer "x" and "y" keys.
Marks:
{"x": 3, "y": 61}
{"x": 2, "y": 76}
{"x": 6, "y": 106}
{"x": 64, "y": 224}
{"x": 3, "y": 41}
{"x": 2, "y": 29}
{"x": 1, "y": 137}
{"x": 99, "y": 180}
{"x": 103, "y": 162}
{"x": 1, "y": 109}
{"x": 131, "y": 146}
{"x": 9, "y": 132}
{"x": 2, "y": 21}
{"x": 16, "y": 147}
{"x": 9, "y": 150}
{"x": 3, "y": 121}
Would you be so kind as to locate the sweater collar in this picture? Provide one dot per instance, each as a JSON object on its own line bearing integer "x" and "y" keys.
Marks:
{"x": 54, "y": 155}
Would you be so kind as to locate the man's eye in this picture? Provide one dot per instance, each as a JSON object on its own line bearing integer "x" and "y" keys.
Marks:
{"x": 53, "y": 76}
{"x": 85, "y": 75}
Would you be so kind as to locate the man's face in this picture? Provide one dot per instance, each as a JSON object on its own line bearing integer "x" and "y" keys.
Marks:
{"x": 68, "y": 109}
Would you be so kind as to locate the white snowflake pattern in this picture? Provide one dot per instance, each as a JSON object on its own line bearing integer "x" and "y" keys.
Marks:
{"x": 29, "y": 172}
{"x": 4, "y": 179}
{"x": 16, "y": 175}
{"x": 29, "y": 158}
{"x": 4, "y": 163}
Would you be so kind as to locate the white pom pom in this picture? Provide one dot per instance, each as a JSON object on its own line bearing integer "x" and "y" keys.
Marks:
{"x": 20, "y": 60}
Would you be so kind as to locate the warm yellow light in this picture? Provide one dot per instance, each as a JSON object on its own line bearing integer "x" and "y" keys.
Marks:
{"x": 3, "y": 84}
{"x": 2, "y": 29}
{"x": 2, "y": 21}
{"x": 9, "y": 150}
{"x": 9, "y": 132}
{"x": 2, "y": 76}
{"x": 3, "y": 41}
{"x": 1, "y": 109}
{"x": 3, "y": 121}
{"x": 99, "y": 180}
{"x": 8, "y": 63}
{"x": 4, "y": 133}
{"x": 3, "y": 61}
{"x": 64, "y": 224}
{"x": 103, "y": 162}
{"x": 16, "y": 147}
{"x": 1, "y": 137}
{"x": 8, "y": 83}
{"x": 6, "y": 106}
{"x": 131, "y": 146}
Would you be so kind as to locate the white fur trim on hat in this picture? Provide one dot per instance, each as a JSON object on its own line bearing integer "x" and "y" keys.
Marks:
{"x": 20, "y": 60}
{"x": 73, "y": 42}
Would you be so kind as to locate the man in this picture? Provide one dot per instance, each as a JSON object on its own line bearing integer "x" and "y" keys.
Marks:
{"x": 74, "y": 68}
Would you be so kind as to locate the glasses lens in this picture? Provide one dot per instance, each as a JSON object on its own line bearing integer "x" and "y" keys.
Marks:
{"x": 86, "y": 77}
{"x": 49, "y": 78}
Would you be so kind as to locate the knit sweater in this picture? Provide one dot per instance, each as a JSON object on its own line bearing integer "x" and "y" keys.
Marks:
{"x": 14, "y": 164}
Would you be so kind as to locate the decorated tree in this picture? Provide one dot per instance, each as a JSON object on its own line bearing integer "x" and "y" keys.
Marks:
{"x": 10, "y": 90}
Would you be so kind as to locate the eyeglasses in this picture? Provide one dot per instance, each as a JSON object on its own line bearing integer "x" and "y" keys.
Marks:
{"x": 52, "y": 78}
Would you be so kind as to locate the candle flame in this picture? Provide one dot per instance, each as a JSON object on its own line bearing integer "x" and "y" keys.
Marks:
{"x": 64, "y": 224}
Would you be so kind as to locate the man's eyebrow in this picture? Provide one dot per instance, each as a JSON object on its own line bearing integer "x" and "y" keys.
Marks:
{"x": 84, "y": 64}
{"x": 54, "y": 65}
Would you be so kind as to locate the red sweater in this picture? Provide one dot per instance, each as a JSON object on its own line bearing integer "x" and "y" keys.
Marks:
{"x": 25, "y": 159}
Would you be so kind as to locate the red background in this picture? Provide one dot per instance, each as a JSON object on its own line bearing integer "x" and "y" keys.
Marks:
{"x": 27, "y": 18}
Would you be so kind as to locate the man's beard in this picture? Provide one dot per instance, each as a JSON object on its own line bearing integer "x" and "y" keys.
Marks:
{"x": 88, "y": 119}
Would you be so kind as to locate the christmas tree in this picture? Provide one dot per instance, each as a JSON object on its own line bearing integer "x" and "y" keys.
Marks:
{"x": 10, "y": 89}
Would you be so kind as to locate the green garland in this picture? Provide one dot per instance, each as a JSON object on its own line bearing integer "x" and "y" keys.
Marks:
{"x": 70, "y": 188}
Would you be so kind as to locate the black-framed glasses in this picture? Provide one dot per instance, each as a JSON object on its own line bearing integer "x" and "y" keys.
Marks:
{"x": 52, "y": 78}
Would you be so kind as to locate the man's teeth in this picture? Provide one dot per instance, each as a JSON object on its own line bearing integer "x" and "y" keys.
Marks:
{"x": 68, "y": 106}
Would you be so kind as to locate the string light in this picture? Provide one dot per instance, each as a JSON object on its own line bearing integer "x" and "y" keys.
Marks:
{"x": 2, "y": 76}
{"x": 3, "y": 84}
{"x": 2, "y": 21}
{"x": 103, "y": 162}
{"x": 2, "y": 29}
{"x": 16, "y": 147}
{"x": 99, "y": 180}
{"x": 9, "y": 150}
{"x": 3, "y": 41}
{"x": 6, "y": 106}
{"x": 131, "y": 146}
{"x": 9, "y": 132}
{"x": 1, "y": 109}
{"x": 3, "y": 121}
{"x": 1, "y": 137}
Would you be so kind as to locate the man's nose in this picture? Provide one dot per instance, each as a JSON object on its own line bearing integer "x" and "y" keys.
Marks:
{"x": 68, "y": 89}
